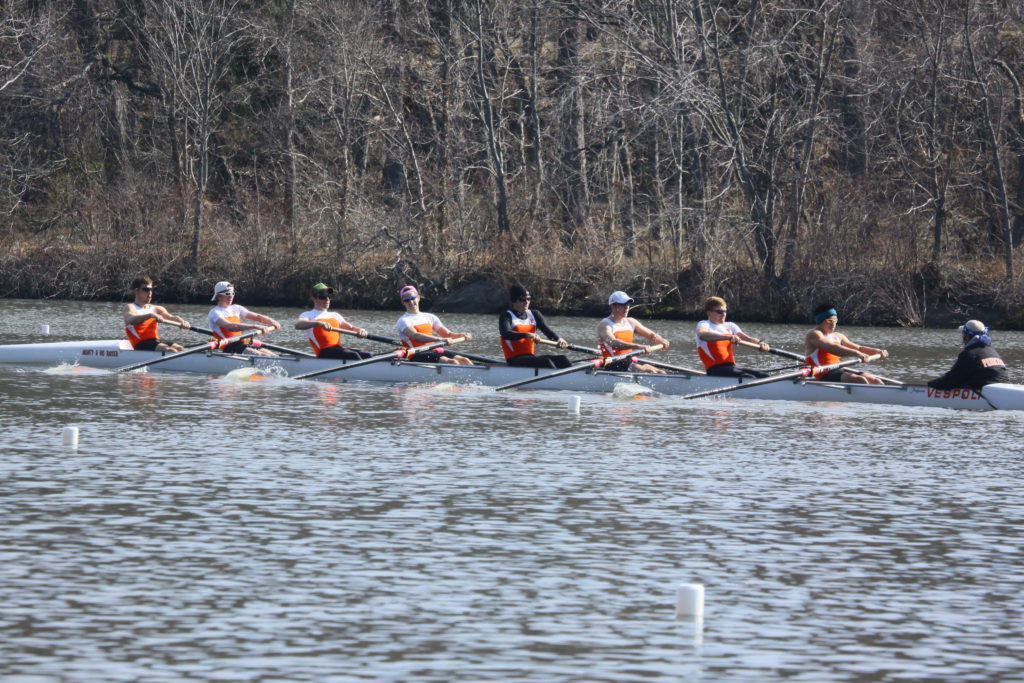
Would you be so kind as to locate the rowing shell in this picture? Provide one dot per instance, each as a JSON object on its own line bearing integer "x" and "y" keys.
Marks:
{"x": 116, "y": 353}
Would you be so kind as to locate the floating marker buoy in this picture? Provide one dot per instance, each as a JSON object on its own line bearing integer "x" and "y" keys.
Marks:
{"x": 44, "y": 329}
{"x": 689, "y": 601}
{"x": 574, "y": 404}
{"x": 69, "y": 437}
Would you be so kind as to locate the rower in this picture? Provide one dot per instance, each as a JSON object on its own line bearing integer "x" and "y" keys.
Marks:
{"x": 825, "y": 346}
{"x": 321, "y": 327}
{"x": 977, "y": 365}
{"x": 226, "y": 321}
{"x": 142, "y": 319}
{"x": 715, "y": 339}
{"x": 518, "y": 327}
{"x": 419, "y": 329}
{"x": 615, "y": 336}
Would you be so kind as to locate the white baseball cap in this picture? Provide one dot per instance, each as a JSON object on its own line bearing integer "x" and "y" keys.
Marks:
{"x": 222, "y": 287}
{"x": 973, "y": 327}
{"x": 619, "y": 298}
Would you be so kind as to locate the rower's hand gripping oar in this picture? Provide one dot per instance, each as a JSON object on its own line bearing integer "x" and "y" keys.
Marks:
{"x": 273, "y": 347}
{"x": 805, "y": 372}
{"x": 391, "y": 355}
{"x": 597, "y": 352}
{"x": 797, "y": 356}
{"x": 396, "y": 342}
{"x": 210, "y": 345}
{"x": 596, "y": 363}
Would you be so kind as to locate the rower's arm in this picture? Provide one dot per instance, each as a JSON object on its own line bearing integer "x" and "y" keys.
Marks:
{"x": 171, "y": 318}
{"x": 816, "y": 340}
{"x": 705, "y": 334}
{"x": 262, "y": 319}
{"x": 543, "y": 326}
{"x": 133, "y": 319}
{"x": 505, "y": 328}
{"x": 649, "y": 334}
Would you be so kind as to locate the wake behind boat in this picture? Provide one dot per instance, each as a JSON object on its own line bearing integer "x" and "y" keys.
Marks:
{"x": 115, "y": 353}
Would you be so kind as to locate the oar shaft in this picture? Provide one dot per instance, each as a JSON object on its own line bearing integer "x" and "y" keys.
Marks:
{"x": 595, "y": 363}
{"x": 397, "y": 353}
{"x": 211, "y": 345}
{"x": 777, "y": 352}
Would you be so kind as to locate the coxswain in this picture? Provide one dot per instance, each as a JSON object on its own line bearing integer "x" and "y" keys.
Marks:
{"x": 518, "y": 328}
{"x": 226, "y": 321}
{"x": 825, "y": 346}
{"x": 978, "y": 363}
{"x": 142, "y": 319}
{"x": 321, "y": 327}
{"x": 715, "y": 339}
{"x": 419, "y": 329}
{"x": 615, "y": 336}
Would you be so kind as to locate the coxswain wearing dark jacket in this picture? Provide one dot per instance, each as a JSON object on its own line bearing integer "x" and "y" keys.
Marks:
{"x": 977, "y": 365}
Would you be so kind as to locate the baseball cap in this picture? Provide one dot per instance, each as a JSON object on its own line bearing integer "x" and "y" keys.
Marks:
{"x": 619, "y": 298}
{"x": 973, "y": 327}
{"x": 222, "y": 287}
{"x": 321, "y": 287}
{"x": 407, "y": 291}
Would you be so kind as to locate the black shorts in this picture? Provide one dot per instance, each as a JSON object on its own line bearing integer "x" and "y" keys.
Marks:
{"x": 831, "y": 376}
{"x": 528, "y": 360}
{"x": 149, "y": 344}
{"x": 236, "y": 346}
{"x": 621, "y": 365}
{"x": 425, "y": 357}
{"x": 733, "y": 370}
{"x": 341, "y": 353}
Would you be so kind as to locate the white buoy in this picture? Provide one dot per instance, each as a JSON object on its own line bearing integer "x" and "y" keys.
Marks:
{"x": 44, "y": 329}
{"x": 70, "y": 437}
{"x": 574, "y": 404}
{"x": 689, "y": 601}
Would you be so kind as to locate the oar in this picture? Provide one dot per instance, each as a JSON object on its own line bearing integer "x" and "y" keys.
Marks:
{"x": 597, "y": 352}
{"x": 211, "y": 345}
{"x": 396, "y": 342}
{"x": 397, "y": 353}
{"x": 586, "y": 365}
{"x": 805, "y": 372}
{"x": 258, "y": 343}
{"x": 797, "y": 356}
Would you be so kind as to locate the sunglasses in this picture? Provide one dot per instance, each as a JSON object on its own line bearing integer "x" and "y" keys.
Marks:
{"x": 321, "y": 296}
{"x": 408, "y": 299}
{"x": 146, "y": 289}
{"x": 723, "y": 311}
{"x": 525, "y": 298}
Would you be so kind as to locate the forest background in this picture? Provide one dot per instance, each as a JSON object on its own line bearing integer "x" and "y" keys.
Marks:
{"x": 777, "y": 153}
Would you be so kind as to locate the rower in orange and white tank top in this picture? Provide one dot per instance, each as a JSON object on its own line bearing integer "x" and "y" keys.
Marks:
{"x": 140, "y": 332}
{"x": 623, "y": 331}
{"x": 718, "y": 351}
{"x": 232, "y": 313}
{"x": 526, "y": 325}
{"x": 820, "y": 357}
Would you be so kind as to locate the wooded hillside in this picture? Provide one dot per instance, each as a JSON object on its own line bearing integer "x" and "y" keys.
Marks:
{"x": 776, "y": 153}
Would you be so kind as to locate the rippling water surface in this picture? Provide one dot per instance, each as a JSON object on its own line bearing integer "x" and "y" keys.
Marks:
{"x": 213, "y": 530}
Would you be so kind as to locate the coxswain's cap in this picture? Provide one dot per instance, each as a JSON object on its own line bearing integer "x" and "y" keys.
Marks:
{"x": 222, "y": 287}
{"x": 619, "y": 298}
{"x": 973, "y": 327}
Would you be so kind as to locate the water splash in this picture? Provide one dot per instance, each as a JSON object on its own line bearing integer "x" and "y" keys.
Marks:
{"x": 629, "y": 391}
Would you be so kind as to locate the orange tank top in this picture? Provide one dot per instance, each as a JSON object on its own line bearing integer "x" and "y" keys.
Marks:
{"x": 822, "y": 357}
{"x": 623, "y": 331}
{"x": 519, "y": 347}
{"x": 147, "y": 329}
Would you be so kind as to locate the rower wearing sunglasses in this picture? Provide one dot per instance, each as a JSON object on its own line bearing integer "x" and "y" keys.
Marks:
{"x": 322, "y": 327}
{"x": 142, "y": 318}
{"x": 228, "y": 319}
{"x": 616, "y": 336}
{"x": 715, "y": 339}
{"x": 419, "y": 329}
{"x": 518, "y": 328}
{"x": 825, "y": 346}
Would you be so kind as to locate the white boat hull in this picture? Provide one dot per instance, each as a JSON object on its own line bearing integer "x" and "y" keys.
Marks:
{"x": 112, "y": 354}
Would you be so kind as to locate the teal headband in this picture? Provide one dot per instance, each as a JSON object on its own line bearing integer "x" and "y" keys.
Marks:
{"x": 825, "y": 314}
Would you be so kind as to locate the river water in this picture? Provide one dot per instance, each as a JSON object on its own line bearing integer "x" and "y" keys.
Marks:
{"x": 212, "y": 530}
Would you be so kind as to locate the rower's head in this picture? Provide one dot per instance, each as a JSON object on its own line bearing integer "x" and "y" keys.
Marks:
{"x": 321, "y": 295}
{"x": 223, "y": 293}
{"x": 826, "y": 317}
{"x": 619, "y": 302}
{"x": 974, "y": 329}
{"x": 716, "y": 309}
{"x": 142, "y": 288}
{"x": 519, "y": 297}
{"x": 410, "y": 297}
